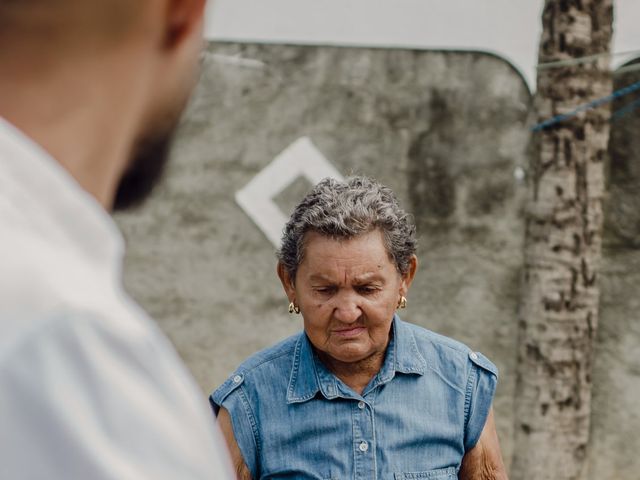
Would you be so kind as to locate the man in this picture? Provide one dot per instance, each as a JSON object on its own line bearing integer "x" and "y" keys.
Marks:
{"x": 90, "y": 91}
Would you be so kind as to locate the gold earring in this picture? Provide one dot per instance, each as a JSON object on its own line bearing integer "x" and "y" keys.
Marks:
{"x": 403, "y": 302}
{"x": 293, "y": 308}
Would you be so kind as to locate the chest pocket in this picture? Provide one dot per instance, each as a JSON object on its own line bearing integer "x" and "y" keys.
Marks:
{"x": 439, "y": 474}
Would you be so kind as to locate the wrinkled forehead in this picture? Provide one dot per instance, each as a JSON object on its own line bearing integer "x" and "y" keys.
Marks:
{"x": 366, "y": 252}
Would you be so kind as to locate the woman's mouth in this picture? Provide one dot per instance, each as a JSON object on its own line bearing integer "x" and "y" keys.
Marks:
{"x": 349, "y": 332}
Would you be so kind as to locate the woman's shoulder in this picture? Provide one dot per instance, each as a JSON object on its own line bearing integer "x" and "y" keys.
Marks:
{"x": 425, "y": 334}
{"x": 267, "y": 365}
{"x": 442, "y": 352}
{"x": 273, "y": 354}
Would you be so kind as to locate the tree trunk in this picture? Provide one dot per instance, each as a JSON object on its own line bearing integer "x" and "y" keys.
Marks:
{"x": 559, "y": 305}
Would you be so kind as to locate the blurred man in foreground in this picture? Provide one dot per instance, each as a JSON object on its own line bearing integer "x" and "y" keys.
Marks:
{"x": 90, "y": 93}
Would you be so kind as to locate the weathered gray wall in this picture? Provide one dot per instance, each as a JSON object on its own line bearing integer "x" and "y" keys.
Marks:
{"x": 447, "y": 131}
{"x": 616, "y": 411}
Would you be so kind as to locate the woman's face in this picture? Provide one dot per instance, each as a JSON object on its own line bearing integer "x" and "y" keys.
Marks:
{"x": 347, "y": 291}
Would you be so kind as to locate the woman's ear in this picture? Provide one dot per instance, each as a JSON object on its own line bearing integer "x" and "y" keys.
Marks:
{"x": 287, "y": 281}
{"x": 408, "y": 277}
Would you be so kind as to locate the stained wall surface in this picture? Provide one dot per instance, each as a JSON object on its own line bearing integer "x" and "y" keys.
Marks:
{"x": 448, "y": 131}
{"x": 615, "y": 415}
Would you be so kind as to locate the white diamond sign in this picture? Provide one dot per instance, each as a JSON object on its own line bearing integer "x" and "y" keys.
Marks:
{"x": 300, "y": 159}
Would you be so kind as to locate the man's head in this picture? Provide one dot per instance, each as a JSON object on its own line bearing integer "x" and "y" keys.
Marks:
{"x": 125, "y": 67}
{"x": 151, "y": 148}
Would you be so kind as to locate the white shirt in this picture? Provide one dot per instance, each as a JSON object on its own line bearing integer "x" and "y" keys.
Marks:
{"x": 89, "y": 387}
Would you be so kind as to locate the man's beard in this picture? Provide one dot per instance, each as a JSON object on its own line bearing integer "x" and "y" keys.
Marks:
{"x": 150, "y": 152}
{"x": 148, "y": 160}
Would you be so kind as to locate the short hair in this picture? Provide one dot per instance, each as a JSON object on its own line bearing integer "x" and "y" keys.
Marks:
{"x": 347, "y": 209}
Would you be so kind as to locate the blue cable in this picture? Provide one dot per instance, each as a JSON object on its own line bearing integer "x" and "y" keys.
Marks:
{"x": 587, "y": 106}
{"x": 624, "y": 110}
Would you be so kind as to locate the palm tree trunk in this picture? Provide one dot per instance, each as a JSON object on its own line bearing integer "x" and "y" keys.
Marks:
{"x": 559, "y": 304}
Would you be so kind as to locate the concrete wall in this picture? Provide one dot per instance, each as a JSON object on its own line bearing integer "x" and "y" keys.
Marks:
{"x": 447, "y": 131}
{"x": 616, "y": 415}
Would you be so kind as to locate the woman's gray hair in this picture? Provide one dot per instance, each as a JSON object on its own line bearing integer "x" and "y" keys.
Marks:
{"x": 345, "y": 210}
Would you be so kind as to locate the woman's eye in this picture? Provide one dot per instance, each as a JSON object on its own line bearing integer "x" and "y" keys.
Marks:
{"x": 324, "y": 290}
{"x": 367, "y": 290}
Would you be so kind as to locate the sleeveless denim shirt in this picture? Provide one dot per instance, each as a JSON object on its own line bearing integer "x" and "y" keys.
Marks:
{"x": 292, "y": 418}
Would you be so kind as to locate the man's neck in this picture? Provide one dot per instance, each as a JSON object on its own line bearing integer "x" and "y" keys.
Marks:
{"x": 76, "y": 118}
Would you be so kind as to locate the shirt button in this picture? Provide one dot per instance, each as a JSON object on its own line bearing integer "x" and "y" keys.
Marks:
{"x": 360, "y": 405}
{"x": 237, "y": 379}
{"x": 363, "y": 447}
{"x": 473, "y": 355}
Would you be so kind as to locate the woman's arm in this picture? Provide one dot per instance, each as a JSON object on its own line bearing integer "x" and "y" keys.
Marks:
{"x": 484, "y": 461}
{"x": 224, "y": 421}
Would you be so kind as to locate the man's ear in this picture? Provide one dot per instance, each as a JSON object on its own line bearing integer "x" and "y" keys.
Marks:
{"x": 182, "y": 18}
{"x": 408, "y": 277}
{"x": 287, "y": 281}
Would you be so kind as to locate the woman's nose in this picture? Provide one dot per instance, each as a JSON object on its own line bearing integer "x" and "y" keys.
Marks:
{"x": 347, "y": 309}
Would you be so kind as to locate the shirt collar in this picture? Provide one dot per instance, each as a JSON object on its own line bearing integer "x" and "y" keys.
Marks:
{"x": 309, "y": 375}
{"x": 408, "y": 358}
{"x": 54, "y": 204}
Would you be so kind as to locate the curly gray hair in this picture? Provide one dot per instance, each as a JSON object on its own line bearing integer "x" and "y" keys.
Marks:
{"x": 345, "y": 210}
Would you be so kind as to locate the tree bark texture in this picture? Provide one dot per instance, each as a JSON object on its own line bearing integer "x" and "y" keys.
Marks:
{"x": 559, "y": 303}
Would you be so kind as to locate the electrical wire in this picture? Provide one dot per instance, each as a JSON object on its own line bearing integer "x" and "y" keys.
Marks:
{"x": 586, "y": 106}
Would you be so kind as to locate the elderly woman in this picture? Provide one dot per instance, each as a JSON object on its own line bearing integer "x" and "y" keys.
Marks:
{"x": 359, "y": 394}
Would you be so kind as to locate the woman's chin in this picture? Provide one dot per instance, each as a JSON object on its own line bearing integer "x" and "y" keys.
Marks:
{"x": 350, "y": 353}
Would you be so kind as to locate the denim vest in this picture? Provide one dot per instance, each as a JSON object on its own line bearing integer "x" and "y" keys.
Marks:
{"x": 292, "y": 418}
